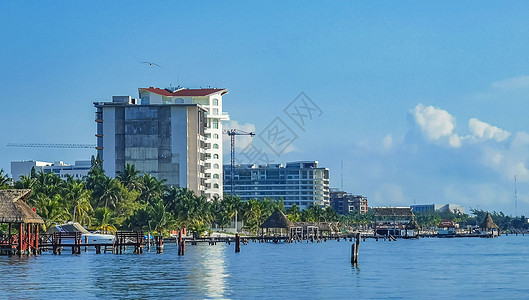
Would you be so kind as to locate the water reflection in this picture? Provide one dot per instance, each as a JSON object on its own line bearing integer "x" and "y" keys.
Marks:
{"x": 210, "y": 275}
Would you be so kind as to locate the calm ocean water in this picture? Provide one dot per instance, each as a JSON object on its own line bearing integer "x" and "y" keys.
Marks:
{"x": 472, "y": 268}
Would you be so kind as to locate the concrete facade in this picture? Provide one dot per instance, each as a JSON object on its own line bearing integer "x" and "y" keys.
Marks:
{"x": 453, "y": 208}
{"x": 164, "y": 140}
{"x": 302, "y": 183}
{"x": 344, "y": 203}
{"x": 211, "y": 100}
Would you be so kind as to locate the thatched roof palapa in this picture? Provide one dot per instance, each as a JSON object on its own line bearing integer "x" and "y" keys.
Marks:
{"x": 13, "y": 209}
{"x": 488, "y": 223}
{"x": 277, "y": 220}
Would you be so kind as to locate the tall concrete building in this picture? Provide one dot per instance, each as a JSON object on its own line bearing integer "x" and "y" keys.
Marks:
{"x": 209, "y": 99}
{"x": 344, "y": 203}
{"x": 162, "y": 138}
{"x": 302, "y": 183}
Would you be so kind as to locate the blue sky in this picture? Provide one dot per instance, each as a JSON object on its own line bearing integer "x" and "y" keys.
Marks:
{"x": 423, "y": 102}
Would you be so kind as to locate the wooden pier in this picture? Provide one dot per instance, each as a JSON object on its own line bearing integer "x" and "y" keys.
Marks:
{"x": 73, "y": 240}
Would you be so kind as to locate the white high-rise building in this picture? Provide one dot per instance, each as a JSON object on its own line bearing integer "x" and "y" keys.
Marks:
{"x": 211, "y": 100}
{"x": 303, "y": 183}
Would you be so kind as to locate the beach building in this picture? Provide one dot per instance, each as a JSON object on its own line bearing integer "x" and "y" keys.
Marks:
{"x": 446, "y": 227}
{"x": 302, "y": 183}
{"x": 393, "y": 220}
{"x": 21, "y": 218}
{"x": 488, "y": 227}
{"x": 61, "y": 169}
{"x": 160, "y": 136}
{"x": 344, "y": 203}
{"x": 453, "y": 208}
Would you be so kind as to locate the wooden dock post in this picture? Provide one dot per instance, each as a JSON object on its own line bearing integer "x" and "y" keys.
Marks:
{"x": 85, "y": 242}
{"x": 180, "y": 244}
{"x": 354, "y": 249}
{"x": 159, "y": 244}
{"x": 237, "y": 243}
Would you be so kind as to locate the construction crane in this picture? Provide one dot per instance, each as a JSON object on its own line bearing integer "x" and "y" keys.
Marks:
{"x": 232, "y": 133}
{"x": 37, "y": 145}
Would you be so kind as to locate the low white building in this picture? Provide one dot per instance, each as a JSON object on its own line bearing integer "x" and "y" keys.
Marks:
{"x": 77, "y": 170}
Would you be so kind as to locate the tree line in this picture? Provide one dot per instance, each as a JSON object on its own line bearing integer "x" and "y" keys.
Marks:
{"x": 134, "y": 201}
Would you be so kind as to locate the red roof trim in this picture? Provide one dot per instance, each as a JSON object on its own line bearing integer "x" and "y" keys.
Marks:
{"x": 184, "y": 92}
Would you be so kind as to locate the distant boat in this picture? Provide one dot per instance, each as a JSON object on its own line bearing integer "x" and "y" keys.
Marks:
{"x": 86, "y": 236}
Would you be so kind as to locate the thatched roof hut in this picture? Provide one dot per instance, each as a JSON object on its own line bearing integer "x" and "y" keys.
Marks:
{"x": 488, "y": 223}
{"x": 13, "y": 208}
{"x": 277, "y": 220}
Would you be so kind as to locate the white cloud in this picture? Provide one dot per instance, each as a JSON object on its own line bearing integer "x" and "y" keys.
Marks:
{"x": 484, "y": 131}
{"x": 390, "y": 194}
{"x": 387, "y": 142}
{"x": 510, "y": 160}
{"x": 436, "y": 124}
{"x": 512, "y": 83}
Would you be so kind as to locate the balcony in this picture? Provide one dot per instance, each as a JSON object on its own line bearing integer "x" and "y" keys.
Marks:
{"x": 224, "y": 116}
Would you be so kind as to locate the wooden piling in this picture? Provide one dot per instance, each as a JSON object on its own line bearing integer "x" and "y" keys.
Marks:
{"x": 354, "y": 249}
{"x": 237, "y": 243}
{"x": 159, "y": 245}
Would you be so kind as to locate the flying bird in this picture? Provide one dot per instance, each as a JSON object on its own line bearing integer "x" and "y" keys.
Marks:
{"x": 151, "y": 64}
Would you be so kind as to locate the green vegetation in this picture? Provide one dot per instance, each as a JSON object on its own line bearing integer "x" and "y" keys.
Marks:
{"x": 137, "y": 201}
{"x": 430, "y": 220}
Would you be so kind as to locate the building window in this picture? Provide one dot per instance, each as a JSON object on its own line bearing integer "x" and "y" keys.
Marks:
{"x": 215, "y": 176}
{"x": 215, "y": 136}
{"x": 215, "y": 124}
{"x": 215, "y": 102}
{"x": 216, "y": 185}
{"x": 215, "y": 146}
{"x": 215, "y": 111}
{"x": 215, "y": 156}
{"x": 215, "y": 166}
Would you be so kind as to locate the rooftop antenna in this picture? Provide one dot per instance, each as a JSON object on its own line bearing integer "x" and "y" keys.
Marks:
{"x": 515, "y": 197}
{"x": 341, "y": 178}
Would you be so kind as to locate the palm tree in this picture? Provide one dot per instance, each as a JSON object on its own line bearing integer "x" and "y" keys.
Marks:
{"x": 79, "y": 199}
{"x": 232, "y": 206}
{"x": 253, "y": 214}
{"x": 293, "y": 213}
{"x": 25, "y": 182}
{"x": 52, "y": 210}
{"x": 151, "y": 188}
{"x": 5, "y": 181}
{"x": 107, "y": 192}
{"x": 130, "y": 177}
{"x": 104, "y": 219}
